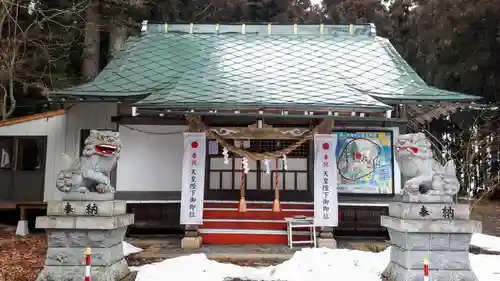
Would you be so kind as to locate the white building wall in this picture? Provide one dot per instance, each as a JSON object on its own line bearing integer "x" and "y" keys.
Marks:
{"x": 151, "y": 158}
{"x": 56, "y": 134}
{"x": 87, "y": 116}
{"x": 64, "y": 137}
{"x": 38, "y": 127}
{"x": 54, "y": 128}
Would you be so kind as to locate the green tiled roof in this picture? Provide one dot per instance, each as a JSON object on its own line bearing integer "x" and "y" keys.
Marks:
{"x": 306, "y": 66}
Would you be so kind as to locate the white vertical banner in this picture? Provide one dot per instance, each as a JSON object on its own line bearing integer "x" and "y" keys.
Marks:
{"x": 325, "y": 180}
{"x": 193, "y": 178}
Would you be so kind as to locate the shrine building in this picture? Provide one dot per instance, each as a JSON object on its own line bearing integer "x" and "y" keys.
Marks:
{"x": 229, "y": 129}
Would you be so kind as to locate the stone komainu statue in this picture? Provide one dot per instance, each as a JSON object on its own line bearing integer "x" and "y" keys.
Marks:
{"x": 90, "y": 172}
{"x": 426, "y": 175}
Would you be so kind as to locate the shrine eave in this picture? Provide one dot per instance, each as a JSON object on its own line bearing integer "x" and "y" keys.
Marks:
{"x": 76, "y": 97}
{"x": 344, "y": 116}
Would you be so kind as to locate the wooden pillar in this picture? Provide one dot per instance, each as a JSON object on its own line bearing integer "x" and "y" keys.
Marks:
{"x": 326, "y": 237}
{"x": 192, "y": 238}
{"x": 404, "y": 115}
{"x": 326, "y": 126}
{"x": 15, "y": 153}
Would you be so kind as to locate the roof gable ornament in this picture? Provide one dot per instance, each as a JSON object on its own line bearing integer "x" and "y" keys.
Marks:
{"x": 363, "y": 30}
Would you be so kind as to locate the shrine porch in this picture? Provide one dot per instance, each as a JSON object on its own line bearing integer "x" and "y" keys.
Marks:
{"x": 223, "y": 224}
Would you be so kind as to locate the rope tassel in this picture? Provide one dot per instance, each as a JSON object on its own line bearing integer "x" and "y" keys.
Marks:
{"x": 276, "y": 202}
{"x": 242, "y": 206}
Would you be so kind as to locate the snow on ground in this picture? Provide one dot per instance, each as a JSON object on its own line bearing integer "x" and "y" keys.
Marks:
{"x": 308, "y": 264}
{"x": 129, "y": 249}
{"x": 486, "y": 242}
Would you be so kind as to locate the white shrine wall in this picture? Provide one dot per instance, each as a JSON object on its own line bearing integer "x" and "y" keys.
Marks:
{"x": 64, "y": 137}
{"x": 151, "y": 158}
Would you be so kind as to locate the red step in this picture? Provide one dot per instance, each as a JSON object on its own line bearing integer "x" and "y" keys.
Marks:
{"x": 260, "y": 225}
{"x": 265, "y": 206}
{"x": 254, "y": 214}
{"x": 244, "y": 225}
{"x": 239, "y": 239}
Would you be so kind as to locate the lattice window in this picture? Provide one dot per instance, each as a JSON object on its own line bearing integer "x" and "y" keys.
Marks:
{"x": 272, "y": 145}
{"x": 227, "y": 176}
{"x": 268, "y": 145}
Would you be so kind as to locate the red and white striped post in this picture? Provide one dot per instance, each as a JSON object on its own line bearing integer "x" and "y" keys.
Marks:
{"x": 88, "y": 254}
{"x": 426, "y": 269}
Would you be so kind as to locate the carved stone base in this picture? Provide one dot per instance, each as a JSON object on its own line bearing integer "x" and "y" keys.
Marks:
{"x": 191, "y": 233}
{"x": 326, "y": 233}
{"x": 89, "y": 196}
{"x": 395, "y": 272}
{"x": 426, "y": 198}
{"x": 86, "y": 208}
{"x": 66, "y": 254}
{"x": 71, "y": 227}
{"x": 190, "y": 243}
{"x": 418, "y": 231}
{"x": 114, "y": 272}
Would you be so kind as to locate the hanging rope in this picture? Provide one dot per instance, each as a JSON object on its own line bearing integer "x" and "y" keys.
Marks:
{"x": 254, "y": 155}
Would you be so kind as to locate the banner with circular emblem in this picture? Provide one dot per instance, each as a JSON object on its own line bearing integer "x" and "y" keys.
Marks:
{"x": 325, "y": 180}
{"x": 193, "y": 178}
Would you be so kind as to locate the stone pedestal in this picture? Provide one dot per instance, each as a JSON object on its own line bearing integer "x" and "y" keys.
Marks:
{"x": 191, "y": 243}
{"x": 432, "y": 227}
{"x": 22, "y": 228}
{"x": 192, "y": 239}
{"x": 326, "y": 239}
{"x": 74, "y": 225}
{"x": 22, "y": 225}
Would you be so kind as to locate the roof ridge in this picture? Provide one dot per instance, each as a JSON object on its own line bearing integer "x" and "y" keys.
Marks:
{"x": 367, "y": 30}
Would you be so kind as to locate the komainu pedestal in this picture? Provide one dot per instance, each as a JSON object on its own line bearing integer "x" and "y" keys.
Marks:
{"x": 87, "y": 217}
{"x": 433, "y": 227}
{"x": 74, "y": 225}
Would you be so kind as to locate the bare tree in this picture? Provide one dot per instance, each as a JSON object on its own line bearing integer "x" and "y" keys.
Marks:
{"x": 476, "y": 149}
{"x": 35, "y": 39}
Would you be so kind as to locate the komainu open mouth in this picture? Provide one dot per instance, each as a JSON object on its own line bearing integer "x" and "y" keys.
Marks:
{"x": 409, "y": 148}
{"x": 107, "y": 149}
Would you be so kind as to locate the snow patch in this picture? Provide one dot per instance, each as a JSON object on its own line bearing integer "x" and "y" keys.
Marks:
{"x": 319, "y": 264}
{"x": 129, "y": 249}
{"x": 486, "y": 242}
